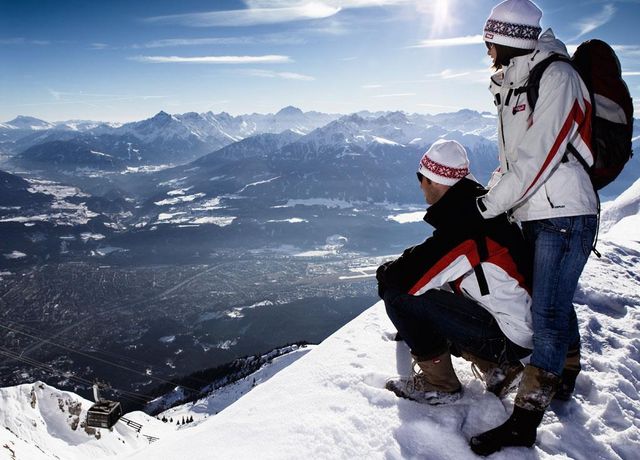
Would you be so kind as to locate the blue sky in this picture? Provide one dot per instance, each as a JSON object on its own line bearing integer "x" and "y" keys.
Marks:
{"x": 126, "y": 60}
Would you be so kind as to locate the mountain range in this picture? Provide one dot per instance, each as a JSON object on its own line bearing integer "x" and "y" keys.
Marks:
{"x": 163, "y": 138}
{"x": 242, "y": 180}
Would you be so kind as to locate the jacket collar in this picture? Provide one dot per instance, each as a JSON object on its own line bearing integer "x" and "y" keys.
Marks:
{"x": 447, "y": 211}
{"x": 517, "y": 72}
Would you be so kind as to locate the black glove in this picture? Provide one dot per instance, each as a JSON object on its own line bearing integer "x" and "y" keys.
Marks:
{"x": 381, "y": 279}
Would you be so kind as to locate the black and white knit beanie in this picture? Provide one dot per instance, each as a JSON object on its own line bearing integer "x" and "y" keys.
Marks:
{"x": 514, "y": 23}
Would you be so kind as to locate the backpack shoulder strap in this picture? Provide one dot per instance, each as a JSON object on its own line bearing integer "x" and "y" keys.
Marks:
{"x": 483, "y": 253}
{"x": 532, "y": 88}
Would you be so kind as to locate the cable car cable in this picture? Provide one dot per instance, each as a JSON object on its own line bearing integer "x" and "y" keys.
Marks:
{"x": 98, "y": 359}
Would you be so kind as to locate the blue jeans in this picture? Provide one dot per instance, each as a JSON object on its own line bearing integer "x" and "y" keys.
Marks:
{"x": 434, "y": 321}
{"x": 561, "y": 247}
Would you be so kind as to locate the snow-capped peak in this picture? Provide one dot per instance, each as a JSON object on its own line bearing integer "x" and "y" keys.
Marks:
{"x": 30, "y": 123}
{"x": 290, "y": 111}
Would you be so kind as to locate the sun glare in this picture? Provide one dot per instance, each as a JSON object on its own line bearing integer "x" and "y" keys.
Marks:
{"x": 439, "y": 16}
{"x": 441, "y": 11}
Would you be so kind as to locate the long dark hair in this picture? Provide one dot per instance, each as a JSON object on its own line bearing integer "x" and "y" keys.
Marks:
{"x": 504, "y": 54}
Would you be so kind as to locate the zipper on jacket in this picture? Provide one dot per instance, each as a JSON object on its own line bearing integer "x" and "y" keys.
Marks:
{"x": 504, "y": 143}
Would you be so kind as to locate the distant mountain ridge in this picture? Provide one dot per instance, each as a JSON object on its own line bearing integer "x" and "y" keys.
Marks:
{"x": 163, "y": 138}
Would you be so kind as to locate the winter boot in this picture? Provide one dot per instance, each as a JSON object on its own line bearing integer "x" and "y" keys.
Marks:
{"x": 499, "y": 379}
{"x": 434, "y": 382}
{"x": 534, "y": 395}
{"x": 569, "y": 375}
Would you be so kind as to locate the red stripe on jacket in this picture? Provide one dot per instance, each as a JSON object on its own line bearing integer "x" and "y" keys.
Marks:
{"x": 498, "y": 255}
{"x": 575, "y": 116}
{"x": 466, "y": 248}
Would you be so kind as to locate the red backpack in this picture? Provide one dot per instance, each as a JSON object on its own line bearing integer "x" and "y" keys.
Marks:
{"x": 612, "y": 107}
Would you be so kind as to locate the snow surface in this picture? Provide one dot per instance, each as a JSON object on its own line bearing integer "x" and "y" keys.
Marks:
{"x": 332, "y": 403}
{"x": 626, "y": 204}
{"x": 222, "y": 398}
{"x": 179, "y": 199}
{"x": 41, "y": 422}
{"x": 328, "y": 202}
{"x": 63, "y": 212}
{"x": 292, "y": 220}
{"x": 407, "y": 217}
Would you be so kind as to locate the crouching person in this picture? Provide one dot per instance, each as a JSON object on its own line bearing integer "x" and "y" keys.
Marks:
{"x": 464, "y": 290}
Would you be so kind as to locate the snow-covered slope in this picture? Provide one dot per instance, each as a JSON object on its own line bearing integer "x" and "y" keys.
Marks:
{"x": 332, "y": 403}
{"x": 41, "y": 422}
{"x": 221, "y": 398}
{"x": 627, "y": 204}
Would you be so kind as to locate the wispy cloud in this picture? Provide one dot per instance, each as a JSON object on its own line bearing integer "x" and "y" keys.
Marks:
{"x": 268, "y": 59}
{"x": 330, "y": 26}
{"x": 631, "y": 74}
{"x": 274, "y": 39}
{"x": 591, "y": 23}
{"x": 445, "y": 42}
{"x": 334, "y": 3}
{"x": 395, "y": 95}
{"x": 271, "y": 74}
{"x": 96, "y": 100}
{"x": 371, "y": 86}
{"x": 61, "y": 95}
{"x": 270, "y": 12}
{"x": 249, "y": 16}
{"x": 100, "y": 46}
{"x": 438, "y": 106}
{"x": 627, "y": 50}
{"x": 448, "y": 74}
{"x": 23, "y": 41}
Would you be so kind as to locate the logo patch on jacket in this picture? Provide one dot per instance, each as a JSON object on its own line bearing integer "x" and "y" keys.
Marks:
{"x": 519, "y": 108}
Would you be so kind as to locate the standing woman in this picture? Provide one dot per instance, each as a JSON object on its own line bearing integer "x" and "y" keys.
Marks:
{"x": 550, "y": 193}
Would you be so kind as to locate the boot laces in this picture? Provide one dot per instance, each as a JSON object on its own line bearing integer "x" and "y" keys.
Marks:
{"x": 415, "y": 383}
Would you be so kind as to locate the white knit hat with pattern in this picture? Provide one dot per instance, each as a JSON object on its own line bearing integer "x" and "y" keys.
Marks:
{"x": 445, "y": 162}
{"x": 514, "y": 23}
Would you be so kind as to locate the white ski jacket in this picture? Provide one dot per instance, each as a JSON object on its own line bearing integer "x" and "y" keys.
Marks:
{"x": 533, "y": 180}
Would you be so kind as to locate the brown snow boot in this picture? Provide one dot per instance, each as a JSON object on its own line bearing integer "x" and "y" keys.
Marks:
{"x": 499, "y": 379}
{"x": 433, "y": 382}
{"x": 534, "y": 395}
{"x": 569, "y": 375}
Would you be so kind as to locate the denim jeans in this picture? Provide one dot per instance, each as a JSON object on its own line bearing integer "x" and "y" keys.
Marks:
{"x": 433, "y": 321}
{"x": 561, "y": 247}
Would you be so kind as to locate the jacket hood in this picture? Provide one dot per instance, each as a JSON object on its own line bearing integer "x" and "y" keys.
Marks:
{"x": 549, "y": 44}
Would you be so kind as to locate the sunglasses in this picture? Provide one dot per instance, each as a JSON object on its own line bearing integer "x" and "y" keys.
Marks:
{"x": 489, "y": 45}
{"x": 421, "y": 178}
